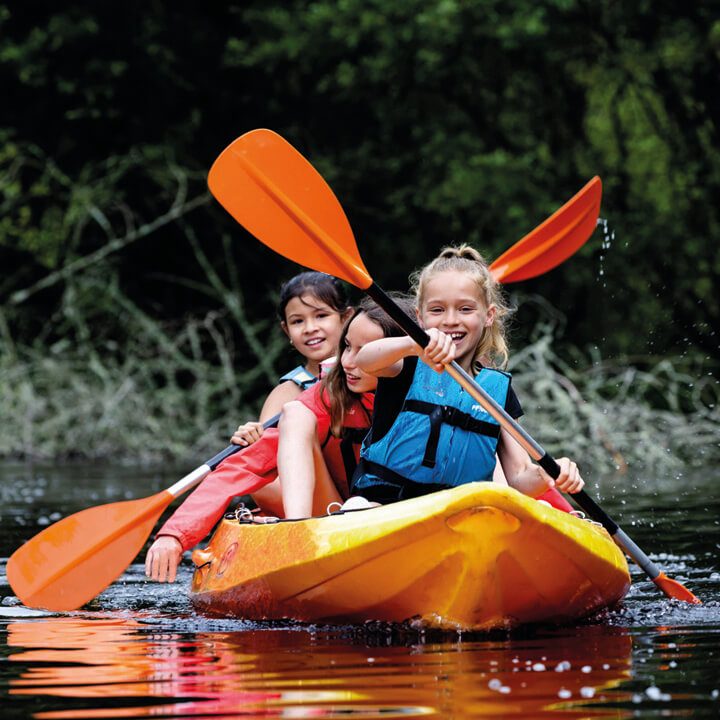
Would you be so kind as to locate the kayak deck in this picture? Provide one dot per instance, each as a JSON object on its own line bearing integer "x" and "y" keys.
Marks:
{"x": 476, "y": 557}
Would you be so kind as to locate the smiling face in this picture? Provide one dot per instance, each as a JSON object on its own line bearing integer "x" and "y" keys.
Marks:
{"x": 361, "y": 331}
{"x": 313, "y": 328}
{"x": 452, "y": 303}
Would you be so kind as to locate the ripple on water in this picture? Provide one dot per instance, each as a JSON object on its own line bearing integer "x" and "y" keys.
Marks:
{"x": 140, "y": 649}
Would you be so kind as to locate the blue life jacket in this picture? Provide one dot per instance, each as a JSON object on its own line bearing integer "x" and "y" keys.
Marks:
{"x": 441, "y": 438}
{"x": 301, "y": 377}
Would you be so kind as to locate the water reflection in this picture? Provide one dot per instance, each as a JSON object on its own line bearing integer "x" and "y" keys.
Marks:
{"x": 139, "y": 649}
{"x": 125, "y": 667}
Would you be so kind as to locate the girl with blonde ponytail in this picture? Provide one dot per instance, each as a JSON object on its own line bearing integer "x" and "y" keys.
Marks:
{"x": 492, "y": 346}
{"x": 428, "y": 434}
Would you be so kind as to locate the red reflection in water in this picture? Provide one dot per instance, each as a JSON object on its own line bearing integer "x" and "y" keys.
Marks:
{"x": 284, "y": 673}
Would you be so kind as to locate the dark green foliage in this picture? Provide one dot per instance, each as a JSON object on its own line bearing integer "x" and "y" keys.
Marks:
{"x": 434, "y": 121}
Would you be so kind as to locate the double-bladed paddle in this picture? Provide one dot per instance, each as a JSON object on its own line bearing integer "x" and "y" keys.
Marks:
{"x": 276, "y": 194}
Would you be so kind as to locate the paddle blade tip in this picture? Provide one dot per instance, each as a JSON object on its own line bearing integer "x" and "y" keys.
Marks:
{"x": 554, "y": 240}
{"x": 676, "y": 590}
{"x": 18, "y": 571}
{"x": 272, "y": 190}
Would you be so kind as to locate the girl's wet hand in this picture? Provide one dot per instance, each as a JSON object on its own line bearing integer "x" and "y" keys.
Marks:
{"x": 569, "y": 480}
{"x": 439, "y": 351}
{"x": 247, "y": 434}
{"x": 163, "y": 558}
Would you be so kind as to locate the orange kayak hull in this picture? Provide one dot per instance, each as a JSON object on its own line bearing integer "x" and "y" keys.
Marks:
{"x": 477, "y": 557}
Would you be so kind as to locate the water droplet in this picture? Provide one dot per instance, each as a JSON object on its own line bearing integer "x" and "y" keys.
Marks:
{"x": 654, "y": 693}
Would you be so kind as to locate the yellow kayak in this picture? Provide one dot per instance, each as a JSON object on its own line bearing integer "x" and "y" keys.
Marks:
{"x": 477, "y": 557}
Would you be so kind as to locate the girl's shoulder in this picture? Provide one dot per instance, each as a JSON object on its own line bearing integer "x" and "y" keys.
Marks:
{"x": 490, "y": 370}
{"x": 300, "y": 376}
{"x": 315, "y": 398}
{"x": 279, "y": 395}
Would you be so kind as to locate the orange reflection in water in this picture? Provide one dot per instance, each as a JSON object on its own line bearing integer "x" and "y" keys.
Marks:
{"x": 291, "y": 673}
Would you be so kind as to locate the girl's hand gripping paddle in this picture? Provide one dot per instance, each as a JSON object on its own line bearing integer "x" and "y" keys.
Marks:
{"x": 276, "y": 194}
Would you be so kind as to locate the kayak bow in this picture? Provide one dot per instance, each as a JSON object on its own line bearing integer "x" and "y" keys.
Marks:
{"x": 477, "y": 557}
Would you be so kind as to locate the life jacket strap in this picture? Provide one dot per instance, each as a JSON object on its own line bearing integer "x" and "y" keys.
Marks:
{"x": 301, "y": 377}
{"x": 448, "y": 415}
{"x": 350, "y": 438}
{"x": 392, "y": 486}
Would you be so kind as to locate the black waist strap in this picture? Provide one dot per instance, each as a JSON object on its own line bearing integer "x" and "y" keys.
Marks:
{"x": 393, "y": 486}
{"x": 440, "y": 414}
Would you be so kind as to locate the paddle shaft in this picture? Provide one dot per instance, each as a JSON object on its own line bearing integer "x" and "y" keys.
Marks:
{"x": 202, "y": 471}
{"x": 536, "y": 452}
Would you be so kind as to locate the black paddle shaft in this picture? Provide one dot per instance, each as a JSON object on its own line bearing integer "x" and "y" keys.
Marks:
{"x": 215, "y": 460}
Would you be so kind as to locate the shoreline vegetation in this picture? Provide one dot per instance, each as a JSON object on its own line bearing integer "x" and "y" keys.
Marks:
{"x": 174, "y": 391}
{"x": 135, "y": 318}
{"x": 625, "y": 415}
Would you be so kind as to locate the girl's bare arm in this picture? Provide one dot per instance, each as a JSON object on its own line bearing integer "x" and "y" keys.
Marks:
{"x": 283, "y": 393}
{"x": 530, "y": 479}
{"x": 251, "y": 431}
{"x": 298, "y": 430}
{"x": 383, "y": 358}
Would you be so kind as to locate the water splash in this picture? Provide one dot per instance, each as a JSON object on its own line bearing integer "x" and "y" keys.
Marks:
{"x": 608, "y": 238}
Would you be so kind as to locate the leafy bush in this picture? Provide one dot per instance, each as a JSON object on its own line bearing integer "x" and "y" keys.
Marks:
{"x": 168, "y": 391}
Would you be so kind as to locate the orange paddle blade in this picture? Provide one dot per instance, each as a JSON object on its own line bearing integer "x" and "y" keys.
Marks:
{"x": 69, "y": 563}
{"x": 555, "y": 240}
{"x": 676, "y": 590}
{"x": 276, "y": 194}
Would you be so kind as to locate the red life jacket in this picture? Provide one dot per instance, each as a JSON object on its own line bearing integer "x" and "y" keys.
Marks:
{"x": 341, "y": 454}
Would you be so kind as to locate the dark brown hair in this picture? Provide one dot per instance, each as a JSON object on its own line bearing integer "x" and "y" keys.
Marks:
{"x": 324, "y": 287}
{"x": 339, "y": 398}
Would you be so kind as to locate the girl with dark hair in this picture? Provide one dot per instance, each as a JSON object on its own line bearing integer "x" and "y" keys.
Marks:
{"x": 312, "y": 310}
{"x": 317, "y": 451}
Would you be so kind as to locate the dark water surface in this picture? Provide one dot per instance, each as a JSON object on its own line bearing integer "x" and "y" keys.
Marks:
{"x": 139, "y": 649}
